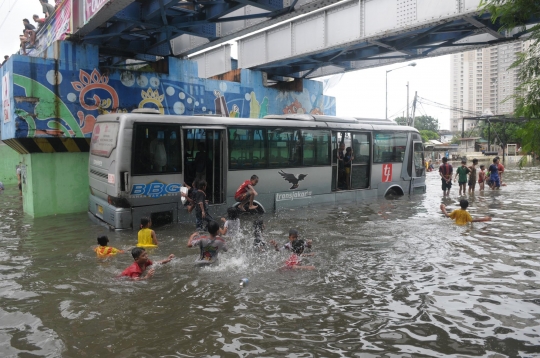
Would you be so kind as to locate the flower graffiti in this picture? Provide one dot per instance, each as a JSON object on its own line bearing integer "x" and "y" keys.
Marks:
{"x": 152, "y": 97}
{"x": 92, "y": 82}
{"x": 294, "y": 108}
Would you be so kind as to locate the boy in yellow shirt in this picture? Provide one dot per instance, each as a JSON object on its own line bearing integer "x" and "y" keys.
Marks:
{"x": 462, "y": 216}
{"x": 146, "y": 236}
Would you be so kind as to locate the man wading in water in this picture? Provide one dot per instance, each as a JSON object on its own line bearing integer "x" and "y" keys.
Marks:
{"x": 445, "y": 171}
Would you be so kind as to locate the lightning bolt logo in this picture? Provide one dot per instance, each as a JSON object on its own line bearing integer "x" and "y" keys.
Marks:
{"x": 387, "y": 173}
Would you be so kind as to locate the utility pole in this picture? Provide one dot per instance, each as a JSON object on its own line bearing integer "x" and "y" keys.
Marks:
{"x": 408, "y": 118}
{"x": 414, "y": 108}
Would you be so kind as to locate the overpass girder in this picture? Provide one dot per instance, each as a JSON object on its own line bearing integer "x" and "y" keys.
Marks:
{"x": 225, "y": 31}
{"x": 411, "y": 28}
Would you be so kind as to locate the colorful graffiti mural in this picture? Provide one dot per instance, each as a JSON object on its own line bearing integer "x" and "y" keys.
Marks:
{"x": 54, "y": 101}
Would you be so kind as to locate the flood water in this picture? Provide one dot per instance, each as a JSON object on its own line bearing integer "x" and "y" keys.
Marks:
{"x": 393, "y": 278}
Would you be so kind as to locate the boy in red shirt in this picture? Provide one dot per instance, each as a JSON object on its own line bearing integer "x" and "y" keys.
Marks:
{"x": 294, "y": 261}
{"x": 136, "y": 269}
{"x": 445, "y": 171}
{"x": 246, "y": 193}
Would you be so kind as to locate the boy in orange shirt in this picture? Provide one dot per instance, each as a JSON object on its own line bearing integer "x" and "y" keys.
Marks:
{"x": 103, "y": 250}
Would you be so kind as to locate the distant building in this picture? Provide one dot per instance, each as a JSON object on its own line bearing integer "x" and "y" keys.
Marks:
{"x": 480, "y": 81}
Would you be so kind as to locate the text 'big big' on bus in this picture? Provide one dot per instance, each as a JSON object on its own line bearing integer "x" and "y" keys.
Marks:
{"x": 139, "y": 162}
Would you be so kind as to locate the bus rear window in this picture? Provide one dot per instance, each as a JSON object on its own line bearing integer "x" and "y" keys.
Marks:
{"x": 104, "y": 139}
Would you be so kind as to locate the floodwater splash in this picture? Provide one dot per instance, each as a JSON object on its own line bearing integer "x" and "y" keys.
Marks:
{"x": 391, "y": 276}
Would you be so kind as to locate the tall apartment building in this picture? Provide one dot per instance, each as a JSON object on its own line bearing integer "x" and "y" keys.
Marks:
{"x": 480, "y": 80}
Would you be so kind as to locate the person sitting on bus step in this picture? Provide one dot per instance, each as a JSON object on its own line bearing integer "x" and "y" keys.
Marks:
{"x": 137, "y": 268}
{"x": 462, "y": 216}
{"x": 202, "y": 216}
{"x": 347, "y": 163}
{"x": 103, "y": 250}
{"x": 293, "y": 235}
{"x": 210, "y": 246}
{"x": 190, "y": 196}
{"x": 146, "y": 236}
{"x": 246, "y": 193}
{"x": 231, "y": 226}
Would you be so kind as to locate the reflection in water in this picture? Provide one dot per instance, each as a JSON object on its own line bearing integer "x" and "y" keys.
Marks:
{"x": 393, "y": 278}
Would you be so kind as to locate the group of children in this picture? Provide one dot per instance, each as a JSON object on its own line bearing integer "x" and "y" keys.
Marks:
{"x": 210, "y": 245}
{"x": 196, "y": 199}
{"x": 467, "y": 176}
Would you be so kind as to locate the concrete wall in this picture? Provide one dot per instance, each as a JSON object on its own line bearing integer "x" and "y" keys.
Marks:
{"x": 9, "y": 159}
{"x": 61, "y": 95}
{"x": 55, "y": 183}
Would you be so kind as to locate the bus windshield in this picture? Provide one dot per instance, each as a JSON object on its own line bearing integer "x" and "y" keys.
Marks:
{"x": 104, "y": 139}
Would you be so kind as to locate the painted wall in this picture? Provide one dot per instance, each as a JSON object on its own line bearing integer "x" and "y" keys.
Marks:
{"x": 63, "y": 98}
{"x": 55, "y": 183}
{"x": 9, "y": 159}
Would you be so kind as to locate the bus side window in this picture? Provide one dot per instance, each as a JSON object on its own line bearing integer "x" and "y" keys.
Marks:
{"x": 389, "y": 147}
{"x": 156, "y": 149}
{"x": 316, "y": 147}
{"x": 247, "y": 148}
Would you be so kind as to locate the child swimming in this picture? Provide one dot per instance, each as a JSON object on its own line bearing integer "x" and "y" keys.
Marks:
{"x": 462, "y": 216}
{"x": 209, "y": 245}
{"x": 293, "y": 262}
{"x": 138, "y": 267}
{"x": 146, "y": 236}
{"x": 103, "y": 250}
{"x": 293, "y": 235}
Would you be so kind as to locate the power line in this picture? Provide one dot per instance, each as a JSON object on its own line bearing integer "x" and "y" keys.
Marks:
{"x": 7, "y": 15}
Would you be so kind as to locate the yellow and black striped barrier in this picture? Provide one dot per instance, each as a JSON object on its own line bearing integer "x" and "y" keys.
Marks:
{"x": 49, "y": 145}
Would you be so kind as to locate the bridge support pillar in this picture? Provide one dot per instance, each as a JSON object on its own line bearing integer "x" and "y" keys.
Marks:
{"x": 55, "y": 183}
{"x": 9, "y": 159}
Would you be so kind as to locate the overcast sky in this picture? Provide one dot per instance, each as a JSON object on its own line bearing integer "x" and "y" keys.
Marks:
{"x": 11, "y": 14}
{"x": 360, "y": 93}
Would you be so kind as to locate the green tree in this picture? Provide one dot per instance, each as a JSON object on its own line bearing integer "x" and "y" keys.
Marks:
{"x": 402, "y": 121}
{"x": 507, "y": 133}
{"x": 421, "y": 123}
{"x": 513, "y": 14}
{"x": 427, "y": 135}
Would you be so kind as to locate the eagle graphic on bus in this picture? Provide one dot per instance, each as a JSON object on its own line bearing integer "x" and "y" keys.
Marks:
{"x": 291, "y": 178}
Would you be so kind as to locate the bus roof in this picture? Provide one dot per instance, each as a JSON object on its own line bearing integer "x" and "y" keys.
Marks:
{"x": 289, "y": 120}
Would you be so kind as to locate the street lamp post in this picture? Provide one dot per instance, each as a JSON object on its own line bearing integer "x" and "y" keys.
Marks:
{"x": 410, "y": 64}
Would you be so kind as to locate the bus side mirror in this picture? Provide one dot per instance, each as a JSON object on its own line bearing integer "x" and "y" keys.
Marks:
{"x": 124, "y": 186}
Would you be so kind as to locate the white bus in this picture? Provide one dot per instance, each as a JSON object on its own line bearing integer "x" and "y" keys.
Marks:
{"x": 139, "y": 161}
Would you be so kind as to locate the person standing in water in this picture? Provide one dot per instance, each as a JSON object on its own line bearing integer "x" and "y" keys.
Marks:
{"x": 445, "y": 172}
{"x": 494, "y": 175}
{"x": 472, "y": 176}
